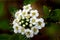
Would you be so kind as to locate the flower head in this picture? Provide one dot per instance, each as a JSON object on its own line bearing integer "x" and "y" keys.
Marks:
{"x": 26, "y": 22}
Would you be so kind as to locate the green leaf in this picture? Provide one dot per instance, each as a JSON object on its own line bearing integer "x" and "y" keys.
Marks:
{"x": 55, "y": 15}
{"x": 4, "y": 24}
{"x": 57, "y": 11}
{"x": 46, "y": 12}
{"x": 4, "y": 36}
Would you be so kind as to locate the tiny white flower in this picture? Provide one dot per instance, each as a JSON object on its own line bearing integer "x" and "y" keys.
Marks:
{"x": 15, "y": 21}
{"x": 40, "y": 23}
{"x": 27, "y": 7}
{"x": 34, "y": 13}
{"x": 16, "y": 28}
{"x": 24, "y": 13}
{"x": 18, "y": 13}
{"x": 35, "y": 30}
{"x": 19, "y": 17}
{"x": 41, "y": 19}
{"x": 28, "y": 33}
{"x": 33, "y": 20}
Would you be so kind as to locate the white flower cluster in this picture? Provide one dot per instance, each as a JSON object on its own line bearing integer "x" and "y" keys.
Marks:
{"x": 26, "y": 22}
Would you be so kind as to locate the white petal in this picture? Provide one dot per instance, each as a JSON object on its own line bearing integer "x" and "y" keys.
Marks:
{"x": 15, "y": 21}
{"x": 18, "y": 13}
{"x": 41, "y": 19}
{"x": 38, "y": 27}
{"x": 14, "y": 26}
{"x": 43, "y": 24}
{"x": 15, "y": 31}
{"x": 22, "y": 30}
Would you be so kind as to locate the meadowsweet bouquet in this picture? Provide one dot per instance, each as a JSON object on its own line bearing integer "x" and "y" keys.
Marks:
{"x": 27, "y": 23}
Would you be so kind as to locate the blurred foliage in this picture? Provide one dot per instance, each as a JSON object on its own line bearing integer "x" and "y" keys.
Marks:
{"x": 14, "y": 37}
{"x": 46, "y": 11}
{"x": 4, "y": 36}
{"x": 51, "y": 18}
{"x": 18, "y": 37}
{"x": 12, "y": 10}
{"x": 1, "y": 9}
{"x": 51, "y": 15}
{"x": 23, "y": 37}
{"x": 4, "y": 24}
{"x": 52, "y": 29}
{"x": 57, "y": 1}
{"x": 29, "y": 1}
{"x": 55, "y": 15}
